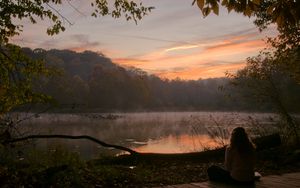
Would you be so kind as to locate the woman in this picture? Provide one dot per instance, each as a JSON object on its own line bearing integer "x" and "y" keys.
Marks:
{"x": 239, "y": 161}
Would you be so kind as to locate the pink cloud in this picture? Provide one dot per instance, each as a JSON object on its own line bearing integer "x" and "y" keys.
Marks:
{"x": 194, "y": 73}
{"x": 204, "y": 61}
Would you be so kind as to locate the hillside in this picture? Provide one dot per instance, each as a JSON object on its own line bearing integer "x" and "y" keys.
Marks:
{"x": 91, "y": 81}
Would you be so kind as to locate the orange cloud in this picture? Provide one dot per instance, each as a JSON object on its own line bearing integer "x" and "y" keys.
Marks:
{"x": 201, "y": 60}
{"x": 194, "y": 73}
{"x": 235, "y": 47}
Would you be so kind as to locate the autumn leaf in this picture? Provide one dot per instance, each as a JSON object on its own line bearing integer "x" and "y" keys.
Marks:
{"x": 200, "y": 4}
{"x": 257, "y": 2}
{"x": 224, "y": 3}
{"x": 248, "y": 12}
{"x": 216, "y": 9}
{"x": 270, "y": 10}
{"x": 206, "y": 11}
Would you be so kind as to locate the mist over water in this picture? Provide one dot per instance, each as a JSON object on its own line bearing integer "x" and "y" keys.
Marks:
{"x": 158, "y": 132}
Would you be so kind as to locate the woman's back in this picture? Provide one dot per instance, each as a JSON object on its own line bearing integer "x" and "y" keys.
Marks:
{"x": 240, "y": 165}
{"x": 239, "y": 161}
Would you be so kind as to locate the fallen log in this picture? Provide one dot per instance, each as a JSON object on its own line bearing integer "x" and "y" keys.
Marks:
{"x": 266, "y": 142}
{"x": 261, "y": 143}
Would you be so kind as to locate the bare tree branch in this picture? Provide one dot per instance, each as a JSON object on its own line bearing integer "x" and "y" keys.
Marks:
{"x": 132, "y": 152}
{"x": 76, "y": 9}
{"x": 62, "y": 16}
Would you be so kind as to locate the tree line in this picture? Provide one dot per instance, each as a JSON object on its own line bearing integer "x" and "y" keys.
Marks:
{"x": 90, "y": 81}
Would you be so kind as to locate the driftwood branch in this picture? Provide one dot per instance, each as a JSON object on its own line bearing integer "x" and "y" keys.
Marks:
{"x": 71, "y": 137}
{"x": 262, "y": 143}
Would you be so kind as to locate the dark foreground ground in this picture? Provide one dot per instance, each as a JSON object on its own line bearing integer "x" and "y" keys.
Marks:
{"x": 60, "y": 168}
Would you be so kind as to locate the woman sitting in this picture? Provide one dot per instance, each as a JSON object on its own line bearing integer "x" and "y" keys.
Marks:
{"x": 239, "y": 161}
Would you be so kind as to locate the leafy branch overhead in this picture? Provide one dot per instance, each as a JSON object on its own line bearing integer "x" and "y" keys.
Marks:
{"x": 11, "y": 11}
{"x": 281, "y": 12}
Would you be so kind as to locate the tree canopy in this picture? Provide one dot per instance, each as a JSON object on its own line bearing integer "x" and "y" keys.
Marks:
{"x": 281, "y": 12}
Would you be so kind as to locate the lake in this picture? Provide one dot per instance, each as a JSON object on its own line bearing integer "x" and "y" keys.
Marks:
{"x": 158, "y": 132}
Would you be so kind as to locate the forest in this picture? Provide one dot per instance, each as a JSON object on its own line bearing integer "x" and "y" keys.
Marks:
{"x": 65, "y": 82}
{"x": 90, "y": 81}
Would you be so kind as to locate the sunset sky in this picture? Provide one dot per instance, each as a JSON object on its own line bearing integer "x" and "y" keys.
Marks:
{"x": 174, "y": 40}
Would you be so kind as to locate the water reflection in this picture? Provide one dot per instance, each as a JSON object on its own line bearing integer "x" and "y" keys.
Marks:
{"x": 167, "y": 132}
{"x": 179, "y": 144}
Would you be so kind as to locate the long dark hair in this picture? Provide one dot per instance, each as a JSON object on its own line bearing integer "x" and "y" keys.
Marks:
{"x": 240, "y": 141}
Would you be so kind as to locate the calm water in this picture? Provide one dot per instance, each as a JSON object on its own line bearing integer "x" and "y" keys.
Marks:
{"x": 161, "y": 132}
